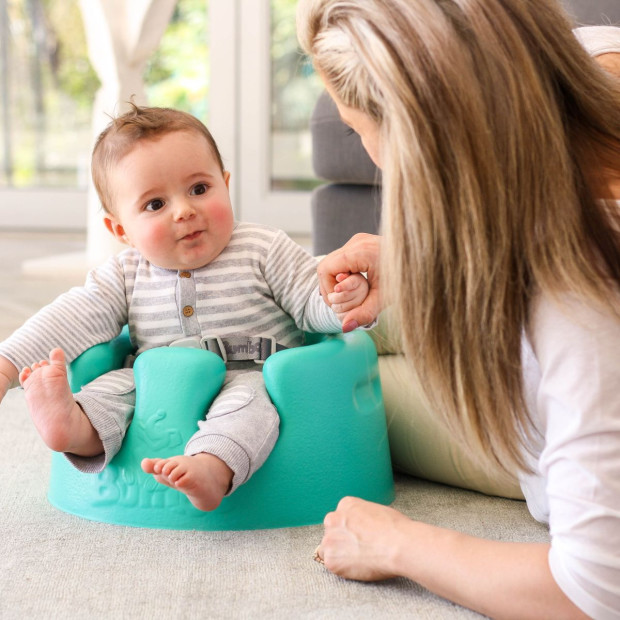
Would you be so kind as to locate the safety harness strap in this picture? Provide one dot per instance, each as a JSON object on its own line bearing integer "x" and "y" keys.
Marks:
{"x": 234, "y": 348}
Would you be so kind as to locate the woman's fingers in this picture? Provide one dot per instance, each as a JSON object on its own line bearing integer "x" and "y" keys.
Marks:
{"x": 357, "y": 538}
{"x": 359, "y": 255}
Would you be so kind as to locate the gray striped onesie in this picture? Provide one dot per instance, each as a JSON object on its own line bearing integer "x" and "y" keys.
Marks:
{"x": 262, "y": 283}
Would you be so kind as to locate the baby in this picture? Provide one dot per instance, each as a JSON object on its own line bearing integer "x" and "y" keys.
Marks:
{"x": 191, "y": 276}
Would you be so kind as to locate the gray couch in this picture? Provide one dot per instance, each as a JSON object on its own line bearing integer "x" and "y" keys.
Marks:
{"x": 350, "y": 201}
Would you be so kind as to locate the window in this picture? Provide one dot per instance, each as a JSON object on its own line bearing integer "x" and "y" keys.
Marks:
{"x": 295, "y": 88}
{"x": 244, "y": 76}
{"x": 47, "y": 87}
{"x": 47, "y": 90}
{"x": 263, "y": 112}
{"x": 177, "y": 74}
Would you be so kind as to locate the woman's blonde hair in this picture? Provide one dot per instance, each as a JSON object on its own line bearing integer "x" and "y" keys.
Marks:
{"x": 499, "y": 135}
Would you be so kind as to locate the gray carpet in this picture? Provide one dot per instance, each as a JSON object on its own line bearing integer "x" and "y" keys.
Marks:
{"x": 54, "y": 565}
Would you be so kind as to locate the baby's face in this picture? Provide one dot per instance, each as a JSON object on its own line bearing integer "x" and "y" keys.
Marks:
{"x": 170, "y": 201}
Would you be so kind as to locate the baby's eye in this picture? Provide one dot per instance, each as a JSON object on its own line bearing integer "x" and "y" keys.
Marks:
{"x": 154, "y": 205}
{"x": 199, "y": 189}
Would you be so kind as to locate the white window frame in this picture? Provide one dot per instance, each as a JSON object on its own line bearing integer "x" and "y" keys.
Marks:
{"x": 43, "y": 208}
{"x": 241, "y": 73}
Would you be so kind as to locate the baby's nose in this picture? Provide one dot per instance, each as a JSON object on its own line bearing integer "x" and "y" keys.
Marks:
{"x": 183, "y": 210}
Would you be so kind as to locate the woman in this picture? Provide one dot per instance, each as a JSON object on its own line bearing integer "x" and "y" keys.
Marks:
{"x": 499, "y": 140}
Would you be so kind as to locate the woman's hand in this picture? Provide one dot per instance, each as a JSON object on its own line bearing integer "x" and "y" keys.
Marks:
{"x": 361, "y": 540}
{"x": 359, "y": 255}
{"x": 371, "y": 542}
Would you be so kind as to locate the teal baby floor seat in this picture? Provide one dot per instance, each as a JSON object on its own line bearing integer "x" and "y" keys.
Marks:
{"x": 333, "y": 438}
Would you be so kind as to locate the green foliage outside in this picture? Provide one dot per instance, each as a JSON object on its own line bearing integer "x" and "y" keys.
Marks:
{"x": 69, "y": 67}
{"x": 177, "y": 73}
{"x": 295, "y": 85}
{"x": 49, "y": 86}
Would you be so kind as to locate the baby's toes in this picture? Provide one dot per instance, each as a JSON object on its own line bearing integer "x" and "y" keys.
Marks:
{"x": 169, "y": 467}
{"x": 158, "y": 466}
{"x": 162, "y": 480}
{"x": 24, "y": 374}
{"x": 57, "y": 356}
{"x": 176, "y": 471}
{"x": 148, "y": 465}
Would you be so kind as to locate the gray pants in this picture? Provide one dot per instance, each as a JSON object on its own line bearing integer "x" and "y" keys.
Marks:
{"x": 241, "y": 426}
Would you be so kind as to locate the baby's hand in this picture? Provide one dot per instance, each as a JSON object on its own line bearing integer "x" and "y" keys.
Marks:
{"x": 349, "y": 293}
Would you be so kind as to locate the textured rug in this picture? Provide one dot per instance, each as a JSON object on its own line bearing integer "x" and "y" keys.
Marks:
{"x": 54, "y": 565}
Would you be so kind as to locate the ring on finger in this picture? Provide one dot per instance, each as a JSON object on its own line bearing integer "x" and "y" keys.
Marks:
{"x": 317, "y": 557}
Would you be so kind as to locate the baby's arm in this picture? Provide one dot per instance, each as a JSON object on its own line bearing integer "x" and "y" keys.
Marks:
{"x": 349, "y": 293}
{"x": 8, "y": 376}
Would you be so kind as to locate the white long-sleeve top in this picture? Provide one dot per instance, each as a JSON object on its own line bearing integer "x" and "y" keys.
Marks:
{"x": 571, "y": 359}
{"x": 572, "y": 379}
{"x": 262, "y": 284}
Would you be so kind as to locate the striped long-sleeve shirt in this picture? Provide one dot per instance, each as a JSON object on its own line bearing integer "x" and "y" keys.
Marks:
{"x": 262, "y": 283}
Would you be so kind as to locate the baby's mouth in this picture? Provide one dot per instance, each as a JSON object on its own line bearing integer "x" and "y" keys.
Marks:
{"x": 192, "y": 236}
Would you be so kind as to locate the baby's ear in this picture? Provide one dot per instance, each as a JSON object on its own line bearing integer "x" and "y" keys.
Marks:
{"x": 115, "y": 228}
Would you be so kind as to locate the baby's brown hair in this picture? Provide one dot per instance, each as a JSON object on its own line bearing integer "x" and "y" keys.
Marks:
{"x": 125, "y": 131}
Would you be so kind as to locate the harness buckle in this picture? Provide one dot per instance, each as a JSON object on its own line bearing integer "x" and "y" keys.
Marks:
{"x": 269, "y": 343}
{"x": 216, "y": 345}
{"x": 189, "y": 342}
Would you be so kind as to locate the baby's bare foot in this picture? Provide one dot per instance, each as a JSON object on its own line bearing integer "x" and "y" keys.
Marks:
{"x": 204, "y": 478}
{"x": 62, "y": 424}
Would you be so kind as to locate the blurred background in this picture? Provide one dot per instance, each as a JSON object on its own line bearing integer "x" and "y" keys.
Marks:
{"x": 234, "y": 64}
{"x": 48, "y": 86}
{"x": 66, "y": 66}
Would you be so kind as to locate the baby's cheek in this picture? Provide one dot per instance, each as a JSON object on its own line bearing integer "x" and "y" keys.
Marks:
{"x": 156, "y": 235}
{"x": 154, "y": 242}
{"x": 221, "y": 215}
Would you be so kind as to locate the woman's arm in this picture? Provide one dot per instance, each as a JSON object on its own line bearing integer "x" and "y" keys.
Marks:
{"x": 369, "y": 542}
{"x": 359, "y": 255}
